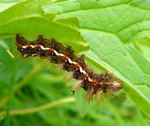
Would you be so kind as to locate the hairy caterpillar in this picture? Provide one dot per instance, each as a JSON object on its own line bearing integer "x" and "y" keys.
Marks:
{"x": 55, "y": 52}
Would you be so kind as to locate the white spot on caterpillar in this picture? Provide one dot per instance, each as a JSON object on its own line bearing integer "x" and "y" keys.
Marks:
{"x": 60, "y": 54}
{"x": 74, "y": 63}
{"x": 56, "y": 52}
{"x": 24, "y": 47}
{"x": 32, "y": 46}
{"x": 69, "y": 60}
{"x": 25, "y": 55}
{"x": 42, "y": 47}
{"x": 82, "y": 71}
{"x": 47, "y": 48}
{"x": 34, "y": 54}
{"x": 89, "y": 79}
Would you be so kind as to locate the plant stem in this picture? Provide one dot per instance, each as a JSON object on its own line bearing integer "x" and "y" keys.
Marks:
{"x": 37, "y": 109}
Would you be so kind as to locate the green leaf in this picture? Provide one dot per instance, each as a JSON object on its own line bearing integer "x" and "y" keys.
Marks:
{"x": 143, "y": 64}
{"x": 4, "y": 6}
{"x": 106, "y": 26}
{"x": 143, "y": 45}
{"x": 28, "y": 18}
{"x": 126, "y": 19}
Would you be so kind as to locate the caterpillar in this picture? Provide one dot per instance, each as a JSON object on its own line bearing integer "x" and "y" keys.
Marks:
{"x": 93, "y": 83}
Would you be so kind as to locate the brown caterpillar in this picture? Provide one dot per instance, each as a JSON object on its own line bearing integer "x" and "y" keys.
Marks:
{"x": 91, "y": 82}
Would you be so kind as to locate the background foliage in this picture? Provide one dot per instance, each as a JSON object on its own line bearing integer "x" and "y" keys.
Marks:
{"x": 114, "y": 36}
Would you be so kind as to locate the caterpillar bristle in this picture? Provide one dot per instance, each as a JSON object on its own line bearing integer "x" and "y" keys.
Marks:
{"x": 94, "y": 84}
